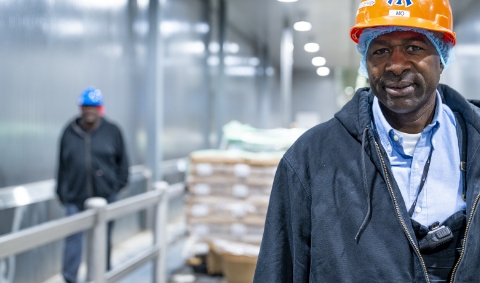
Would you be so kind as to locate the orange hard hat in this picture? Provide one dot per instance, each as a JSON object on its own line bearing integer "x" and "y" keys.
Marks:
{"x": 433, "y": 15}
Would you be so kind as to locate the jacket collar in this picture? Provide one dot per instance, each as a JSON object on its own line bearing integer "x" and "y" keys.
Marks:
{"x": 80, "y": 131}
{"x": 356, "y": 115}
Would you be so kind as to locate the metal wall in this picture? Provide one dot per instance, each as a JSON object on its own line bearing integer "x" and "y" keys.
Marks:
{"x": 314, "y": 98}
{"x": 51, "y": 50}
{"x": 464, "y": 74}
{"x": 185, "y": 31}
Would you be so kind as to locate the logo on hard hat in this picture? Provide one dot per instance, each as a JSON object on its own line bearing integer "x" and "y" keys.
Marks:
{"x": 407, "y": 3}
{"x": 367, "y": 4}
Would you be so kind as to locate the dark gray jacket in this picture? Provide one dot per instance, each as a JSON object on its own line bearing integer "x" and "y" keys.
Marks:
{"x": 337, "y": 215}
{"x": 91, "y": 163}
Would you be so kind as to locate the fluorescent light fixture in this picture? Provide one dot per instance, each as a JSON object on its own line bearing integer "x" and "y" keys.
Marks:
{"x": 231, "y": 47}
{"x": 169, "y": 28}
{"x": 233, "y": 61}
{"x": 241, "y": 61}
{"x": 202, "y": 28}
{"x": 190, "y": 47}
{"x": 214, "y": 47}
{"x": 213, "y": 61}
{"x": 104, "y": 4}
{"x": 254, "y": 61}
{"x": 240, "y": 71}
{"x": 67, "y": 28}
{"x": 142, "y": 4}
{"x": 319, "y": 61}
{"x": 312, "y": 47}
{"x": 287, "y": 0}
{"x": 323, "y": 71}
{"x": 302, "y": 26}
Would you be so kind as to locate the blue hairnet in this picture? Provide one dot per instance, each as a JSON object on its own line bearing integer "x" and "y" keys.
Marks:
{"x": 444, "y": 48}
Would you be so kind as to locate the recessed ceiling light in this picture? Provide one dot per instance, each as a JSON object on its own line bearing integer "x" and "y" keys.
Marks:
{"x": 319, "y": 61}
{"x": 302, "y": 26}
{"x": 312, "y": 47}
{"x": 323, "y": 71}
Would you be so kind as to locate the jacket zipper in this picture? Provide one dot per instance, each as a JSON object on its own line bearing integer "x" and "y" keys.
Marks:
{"x": 399, "y": 216}
{"x": 465, "y": 238}
{"x": 88, "y": 159}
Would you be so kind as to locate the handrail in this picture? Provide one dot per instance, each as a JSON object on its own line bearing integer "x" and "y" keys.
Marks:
{"x": 94, "y": 220}
{"x": 14, "y": 196}
{"x": 45, "y": 233}
{"x": 132, "y": 204}
{"x": 132, "y": 264}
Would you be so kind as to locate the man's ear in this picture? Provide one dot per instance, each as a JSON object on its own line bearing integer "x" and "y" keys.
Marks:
{"x": 442, "y": 67}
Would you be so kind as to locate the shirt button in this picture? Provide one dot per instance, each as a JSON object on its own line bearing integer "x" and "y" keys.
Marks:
{"x": 416, "y": 166}
{"x": 395, "y": 137}
{"x": 418, "y": 209}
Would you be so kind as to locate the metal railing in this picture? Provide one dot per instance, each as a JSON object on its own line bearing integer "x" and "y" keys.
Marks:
{"x": 94, "y": 220}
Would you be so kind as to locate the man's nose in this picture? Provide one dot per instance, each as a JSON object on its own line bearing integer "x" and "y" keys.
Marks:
{"x": 399, "y": 61}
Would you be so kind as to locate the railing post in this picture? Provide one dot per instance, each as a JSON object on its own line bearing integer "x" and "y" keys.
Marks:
{"x": 149, "y": 213}
{"x": 97, "y": 242}
{"x": 160, "y": 233}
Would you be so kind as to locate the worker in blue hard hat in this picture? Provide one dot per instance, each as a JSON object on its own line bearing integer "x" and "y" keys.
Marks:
{"x": 91, "y": 103}
{"x": 92, "y": 163}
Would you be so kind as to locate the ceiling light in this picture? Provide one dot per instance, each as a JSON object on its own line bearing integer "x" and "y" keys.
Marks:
{"x": 287, "y": 0}
{"x": 323, "y": 71}
{"x": 302, "y": 26}
{"x": 312, "y": 47}
{"x": 319, "y": 61}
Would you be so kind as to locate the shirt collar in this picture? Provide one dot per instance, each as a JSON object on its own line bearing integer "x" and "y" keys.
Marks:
{"x": 387, "y": 134}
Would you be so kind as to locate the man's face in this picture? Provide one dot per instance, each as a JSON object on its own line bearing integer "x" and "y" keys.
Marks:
{"x": 90, "y": 114}
{"x": 404, "y": 70}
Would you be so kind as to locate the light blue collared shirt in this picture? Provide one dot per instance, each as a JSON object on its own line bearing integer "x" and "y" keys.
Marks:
{"x": 441, "y": 195}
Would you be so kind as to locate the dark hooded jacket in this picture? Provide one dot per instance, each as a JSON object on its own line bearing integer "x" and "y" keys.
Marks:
{"x": 91, "y": 163}
{"x": 336, "y": 213}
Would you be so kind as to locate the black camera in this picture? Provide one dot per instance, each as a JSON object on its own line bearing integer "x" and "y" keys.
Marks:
{"x": 436, "y": 240}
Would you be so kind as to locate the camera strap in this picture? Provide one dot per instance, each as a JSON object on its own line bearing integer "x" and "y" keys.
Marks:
{"x": 422, "y": 183}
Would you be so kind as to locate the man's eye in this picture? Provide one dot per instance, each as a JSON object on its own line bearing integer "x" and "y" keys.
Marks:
{"x": 380, "y": 51}
{"x": 413, "y": 48}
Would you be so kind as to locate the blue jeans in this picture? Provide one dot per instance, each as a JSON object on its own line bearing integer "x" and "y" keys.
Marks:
{"x": 72, "y": 252}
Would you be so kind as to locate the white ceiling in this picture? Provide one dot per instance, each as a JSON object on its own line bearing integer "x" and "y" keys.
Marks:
{"x": 263, "y": 21}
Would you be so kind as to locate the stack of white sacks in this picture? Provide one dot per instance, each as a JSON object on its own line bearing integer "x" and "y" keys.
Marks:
{"x": 228, "y": 194}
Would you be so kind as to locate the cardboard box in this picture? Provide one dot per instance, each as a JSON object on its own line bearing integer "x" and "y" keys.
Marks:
{"x": 238, "y": 268}
{"x": 214, "y": 262}
{"x": 238, "y": 260}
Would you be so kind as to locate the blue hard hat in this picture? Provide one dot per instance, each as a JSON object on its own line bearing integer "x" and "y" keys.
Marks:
{"x": 91, "y": 96}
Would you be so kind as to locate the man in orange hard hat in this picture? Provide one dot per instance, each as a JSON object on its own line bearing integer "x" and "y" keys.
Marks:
{"x": 387, "y": 190}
